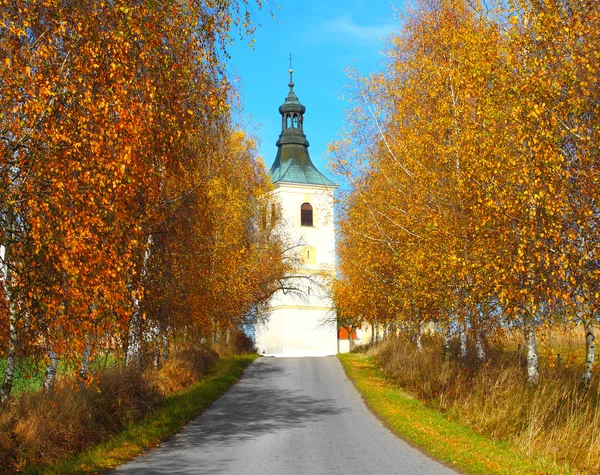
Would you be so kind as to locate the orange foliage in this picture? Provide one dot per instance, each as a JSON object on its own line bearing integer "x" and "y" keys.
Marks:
{"x": 473, "y": 169}
{"x": 121, "y": 175}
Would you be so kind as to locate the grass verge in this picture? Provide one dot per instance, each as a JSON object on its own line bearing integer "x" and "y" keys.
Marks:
{"x": 174, "y": 412}
{"x": 445, "y": 439}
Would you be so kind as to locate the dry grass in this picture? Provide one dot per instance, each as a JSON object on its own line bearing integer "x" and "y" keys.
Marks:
{"x": 556, "y": 419}
{"x": 188, "y": 367}
{"x": 40, "y": 428}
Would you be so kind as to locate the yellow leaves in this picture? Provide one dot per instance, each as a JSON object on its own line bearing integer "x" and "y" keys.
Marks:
{"x": 507, "y": 196}
{"x": 103, "y": 157}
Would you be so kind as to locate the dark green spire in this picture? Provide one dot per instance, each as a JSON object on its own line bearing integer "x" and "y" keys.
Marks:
{"x": 292, "y": 163}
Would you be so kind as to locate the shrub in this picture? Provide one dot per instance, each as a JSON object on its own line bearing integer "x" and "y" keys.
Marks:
{"x": 39, "y": 428}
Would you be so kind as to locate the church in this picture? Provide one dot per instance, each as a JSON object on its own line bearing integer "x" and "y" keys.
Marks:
{"x": 303, "y": 322}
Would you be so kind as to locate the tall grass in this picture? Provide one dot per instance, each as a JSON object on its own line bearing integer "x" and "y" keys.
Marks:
{"x": 40, "y": 427}
{"x": 556, "y": 418}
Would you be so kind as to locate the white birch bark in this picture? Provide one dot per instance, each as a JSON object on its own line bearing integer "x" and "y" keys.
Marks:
{"x": 462, "y": 336}
{"x": 590, "y": 354}
{"x": 133, "y": 354}
{"x": 11, "y": 359}
{"x": 85, "y": 362}
{"x": 134, "y": 345}
{"x": 165, "y": 348}
{"x": 533, "y": 375}
{"x": 52, "y": 367}
{"x": 51, "y": 371}
{"x": 480, "y": 345}
{"x": 157, "y": 338}
{"x": 418, "y": 337}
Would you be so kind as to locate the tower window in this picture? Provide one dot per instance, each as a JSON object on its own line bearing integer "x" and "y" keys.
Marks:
{"x": 306, "y": 215}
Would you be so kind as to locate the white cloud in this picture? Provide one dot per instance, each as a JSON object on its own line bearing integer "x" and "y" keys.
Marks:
{"x": 346, "y": 28}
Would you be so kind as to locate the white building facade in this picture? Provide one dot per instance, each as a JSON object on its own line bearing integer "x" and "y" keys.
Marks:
{"x": 302, "y": 320}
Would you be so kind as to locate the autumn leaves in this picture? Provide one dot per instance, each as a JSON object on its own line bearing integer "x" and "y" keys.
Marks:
{"x": 473, "y": 162}
{"x": 130, "y": 208}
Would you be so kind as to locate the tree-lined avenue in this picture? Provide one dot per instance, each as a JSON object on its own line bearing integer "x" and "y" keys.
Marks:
{"x": 292, "y": 416}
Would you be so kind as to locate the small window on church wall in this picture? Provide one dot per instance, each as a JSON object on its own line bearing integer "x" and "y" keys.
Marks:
{"x": 309, "y": 255}
{"x": 296, "y": 120}
{"x": 287, "y": 121}
{"x": 306, "y": 215}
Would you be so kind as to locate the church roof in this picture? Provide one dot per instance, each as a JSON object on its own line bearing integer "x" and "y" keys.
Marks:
{"x": 292, "y": 163}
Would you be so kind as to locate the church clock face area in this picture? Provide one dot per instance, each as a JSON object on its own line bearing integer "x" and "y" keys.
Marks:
{"x": 301, "y": 323}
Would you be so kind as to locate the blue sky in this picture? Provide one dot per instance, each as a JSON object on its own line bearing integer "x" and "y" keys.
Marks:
{"x": 324, "y": 38}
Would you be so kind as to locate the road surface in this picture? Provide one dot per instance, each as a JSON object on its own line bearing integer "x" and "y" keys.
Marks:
{"x": 287, "y": 416}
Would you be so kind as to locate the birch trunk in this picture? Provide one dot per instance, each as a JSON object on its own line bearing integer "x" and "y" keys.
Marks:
{"x": 11, "y": 360}
{"x": 51, "y": 371}
{"x": 446, "y": 344}
{"x": 590, "y": 354}
{"x": 462, "y": 335}
{"x": 372, "y": 334}
{"x": 165, "y": 348}
{"x": 157, "y": 338}
{"x": 134, "y": 344}
{"x": 85, "y": 363}
{"x": 52, "y": 368}
{"x": 533, "y": 375}
{"x": 418, "y": 337}
{"x": 480, "y": 345}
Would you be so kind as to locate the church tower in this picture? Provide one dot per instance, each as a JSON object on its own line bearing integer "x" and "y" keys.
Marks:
{"x": 302, "y": 323}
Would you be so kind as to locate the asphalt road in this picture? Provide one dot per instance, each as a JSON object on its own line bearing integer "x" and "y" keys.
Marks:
{"x": 287, "y": 416}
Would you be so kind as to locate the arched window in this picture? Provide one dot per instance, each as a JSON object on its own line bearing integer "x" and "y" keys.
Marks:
{"x": 306, "y": 214}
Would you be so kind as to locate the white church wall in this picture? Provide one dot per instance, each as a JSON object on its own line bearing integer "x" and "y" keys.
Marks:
{"x": 298, "y": 332}
{"x": 321, "y": 235}
{"x": 302, "y": 323}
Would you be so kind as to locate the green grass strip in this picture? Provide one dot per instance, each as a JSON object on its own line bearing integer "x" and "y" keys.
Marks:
{"x": 430, "y": 430}
{"x": 173, "y": 413}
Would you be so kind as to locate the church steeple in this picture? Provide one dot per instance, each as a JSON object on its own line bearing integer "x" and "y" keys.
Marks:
{"x": 292, "y": 112}
{"x": 292, "y": 163}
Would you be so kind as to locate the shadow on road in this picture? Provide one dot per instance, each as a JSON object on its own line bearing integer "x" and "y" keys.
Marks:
{"x": 251, "y": 408}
